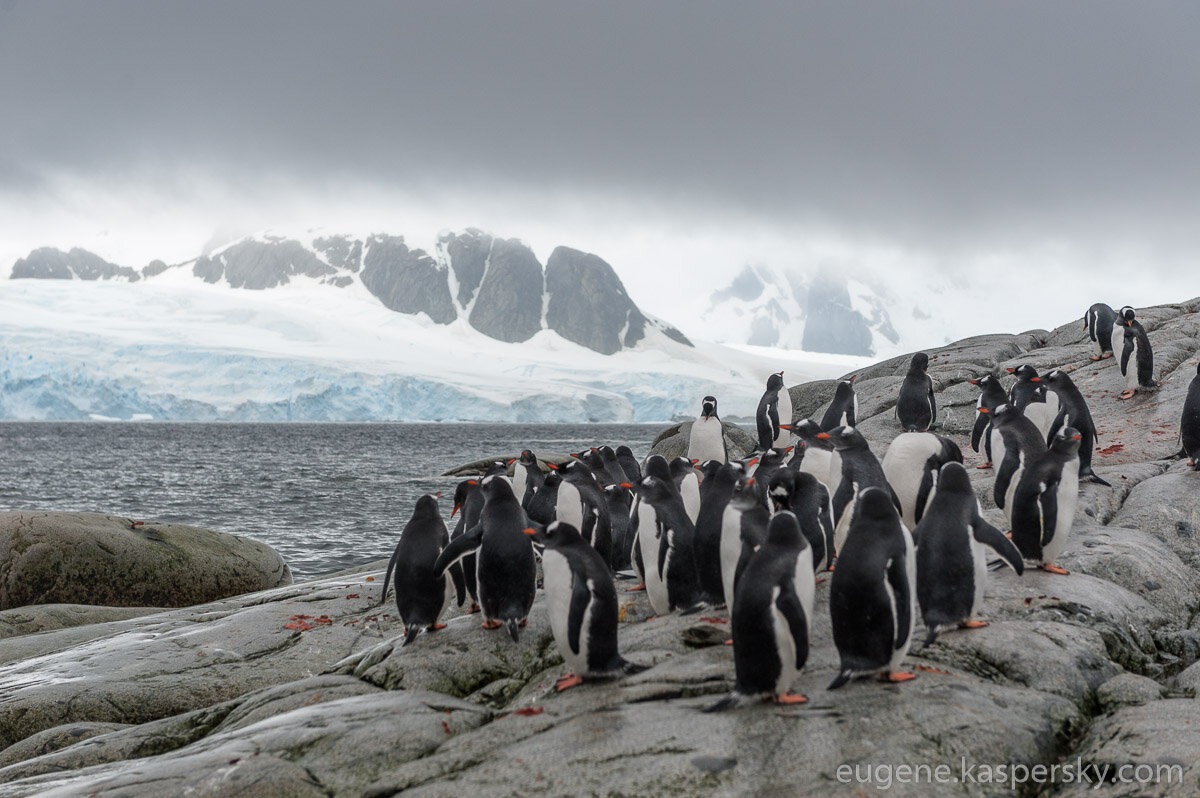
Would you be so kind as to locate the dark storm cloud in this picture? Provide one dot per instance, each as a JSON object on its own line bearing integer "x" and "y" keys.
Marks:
{"x": 907, "y": 120}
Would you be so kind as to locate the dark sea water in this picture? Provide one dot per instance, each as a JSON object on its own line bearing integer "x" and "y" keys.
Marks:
{"x": 326, "y": 496}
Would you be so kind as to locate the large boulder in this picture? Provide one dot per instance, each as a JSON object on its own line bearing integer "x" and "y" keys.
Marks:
{"x": 88, "y": 558}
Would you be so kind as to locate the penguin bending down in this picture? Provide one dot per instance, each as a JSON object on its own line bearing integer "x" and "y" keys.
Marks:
{"x": 860, "y": 470}
{"x": 843, "y": 409}
{"x": 951, "y": 561}
{"x": 504, "y": 565}
{"x": 1099, "y": 321}
{"x": 1016, "y": 441}
{"x": 872, "y": 596}
{"x": 912, "y": 465}
{"x": 773, "y": 419}
{"x": 808, "y": 499}
{"x": 420, "y": 589}
{"x": 991, "y": 396}
{"x": 1029, "y": 395}
{"x": 1073, "y": 412}
{"x": 771, "y": 617}
{"x": 1140, "y": 375}
{"x": 1044, "y": 503}
{"x": 916, "y": 407}
{"x": 706, "y": 441}
{"x": 582, "y": 602}
{"x": 1189, "y": 423}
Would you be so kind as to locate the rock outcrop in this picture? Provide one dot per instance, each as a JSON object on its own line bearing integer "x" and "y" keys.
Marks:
{"x": 48, "y": 263}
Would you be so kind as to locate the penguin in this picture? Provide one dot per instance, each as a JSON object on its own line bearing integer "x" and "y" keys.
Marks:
{"x": 872, "y": 596}
{"x": 581, "y": 498}
{"x": 544, "y": 502}
{"x": 820, "y": 458}
{"x": 504, "y": 566}
{"x": 808, "y": 499}
{"x": 629, "y": 464}
{"x": 1140, "y": 375}
{"x": 769, "y": 464}
{"x": 773, "y": 418}
{"x": 706, "y": 441}
{"x": 916, "y": 407}
{"x": 991, "y": 396}
{"x": 582, "y": 602}
{"x": 420, "y": 590}
{"x": 860, "y": 469}
{"x": 620, "y": 505}
{"x": 1099, "y": 322}
{"x": 1016, "y": 441}
{"x": 1029, "y": 395}
{"x": 527, "y": 476}
{"x": 1044, "y": 502}
{"x": 1073, "y": 412}
{"x": 613, "y": 473}
{"x": 771, "y": 616}
{"x": 676, "y": 562}
{"x": 843, "y": 409}
{"x": 1189, "y": 423}
{"x": 951, "y": 561}
{"x": 647, "y": 534}
{"x": 715, "y": 493}
{"x": 912, "y": 465}
{"x": 468, "y": 498}
{"x": 743, "y": 530}
{"x": 688, "y": 484}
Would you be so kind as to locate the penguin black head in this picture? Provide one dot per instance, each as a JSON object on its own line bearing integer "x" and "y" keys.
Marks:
{"x": 844, "y": 438}
{"x": 1126, "y": 315}
{"x": 920, "y": 363}
{"x": 709, "y": 468}
{"x": 708, "y": 407}
{"x": 461, "y": 492}
{"x": 775, "y": 382}
{"x": 1025, "y": 372}
{"x": 498, "y": 467}
{"x": 1057, "y": 377}
{"x": 1067, "y": 441}
{"x": 784, "y": 530}
{"x": 657, "y": 466}
{"x": 496, "y": 486}
{"x": 985, "y": 381}
{"x": 745, "y": 494}
{"x": 875, "y": 504}
{"x": 782, "y": 488}
{"x": 954, "y": 479}
{"x": 557, "y": 535}
{"x": 426, "y": 506}
{"x": 527, "y": 458}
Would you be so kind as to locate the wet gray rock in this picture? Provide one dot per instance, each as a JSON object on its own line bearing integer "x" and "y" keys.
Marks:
{"x": 1128, "y": 689}
{"x": 673, "y": 441}
{"x": 44, "y": 617}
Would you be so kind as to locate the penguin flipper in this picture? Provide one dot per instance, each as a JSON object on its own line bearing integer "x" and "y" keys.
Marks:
{"x": 581, "y": 596}
{"x": 1126, "y": 352}
{"x": 981, "y": 422}
{"x": 460, "y": 547}
{"x": 789, "y": 605}
{"x": 664, "y": 546}
{"x": 1048, "y": 501}
{"x": 734, "y": 699}
{"x": 897, "y": 577}
{"x": 460, "y": 583}
{"x": 387, "y": 577}
{"x": 989, "y": 536}
{"x": 743, "y": 560}
{"x": 1058, "y": 423}
{"x": 1008, "y": 467}
{"x": 841, "y": 679}
{"x": 932, "y": 404}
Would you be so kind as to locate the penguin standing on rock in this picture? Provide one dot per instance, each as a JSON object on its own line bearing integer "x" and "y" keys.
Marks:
{"x": 1139, "y": 375}
{"x": 1017, "y": 442}
{"x": 707, "y": 438}
{"x": 773, "y": 418}
{"x": 582, "y": 602}
{"x": 715, "y": 493}
{"x": 1189, "y": 423}
{"x": 1099, "y": 321}
{"x": 420, "y": 588}
{"x": 676, "y": 562}
{"x": 770, "y": 617}
{"x": 916, "y": 407}
{"x": 991, "y": 396}
{"x": 743, "y": 531}
{"x": 860, "y": 470}
{"x": 527, "y": 476}
{"x": 1073, "y": 412}
{"x": 1044, "y": 503}
{"x": 468, "y": 498}
{"x": 820, "y": 458}
{"x": 843, "y": 410}
{"x": 872, "y": 596}
{"x": 951, "y": 561}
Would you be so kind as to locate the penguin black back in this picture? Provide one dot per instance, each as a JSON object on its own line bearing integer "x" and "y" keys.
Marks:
{"x": 1189, "y": 423}
{"x": 767, "y": 418}
{"x": 1073, "y": 412}
{"x": 843, "y": 409}
{"x": 420, "y": 588}
{"x": 1098, "y": 321}
{"x": 916, "y": 407}
{"x": 715, "y": 493}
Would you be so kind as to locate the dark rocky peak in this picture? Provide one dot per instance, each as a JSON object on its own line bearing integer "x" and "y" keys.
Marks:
{"x": 48, "y": 263}
{"x": 407, "y": 280}
{"x": 341, "y": 252}
{"x": 467, "y": 253}
{"x": 259, "y": 264}
{"x": 509, "y": 304}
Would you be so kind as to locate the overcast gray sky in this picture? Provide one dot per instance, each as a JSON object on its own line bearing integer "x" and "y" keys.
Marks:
{"x": 661, "y": 135}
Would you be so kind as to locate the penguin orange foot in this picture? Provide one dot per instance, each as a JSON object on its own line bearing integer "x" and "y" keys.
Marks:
{"x": 897, "y": 676}
{"x": 1127, "y": 393}
{"x": 972, "y": 624}
{"x": 433, "y": 627}
{"x": 638, "y": 587}
{"x": 790, "y": 698}
{"x": 491, "y": 624}
{"x": 1054, "y": 569}
{"x": 474, "y": 609}
{"x": 567, "y": 682}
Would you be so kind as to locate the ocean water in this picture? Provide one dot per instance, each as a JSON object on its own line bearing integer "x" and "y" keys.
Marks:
{"x": 326, "y": 496}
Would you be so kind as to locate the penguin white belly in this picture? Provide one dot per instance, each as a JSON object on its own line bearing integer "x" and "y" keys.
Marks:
{"x": 1131, "y": 371}
{"x": 997, "y": 441}
{"x": 784, "y": 408}
{"x": 731, "y": 550}
{"x": 520, "y": 480}
{"x": 1012, "y": 487}
{"x": 904, "y": 468}
{"x": 1041, "y": 416}
{"x": 706, "y": 441}
{"x": 689, "y": 491}
{"x": 649, "y": 540}
{"x": 817, "y": 462}
{"x": 785, "y": 646}
{"x": 843, "y": 525}
{"x": 569, "y": 508}
{"x": 904, "y": 635}
{"x": 557, "y": 578}
{"x": 979, "y": 570}
{"x": 835, "y": 472}
{"x": 1068, "y": 497}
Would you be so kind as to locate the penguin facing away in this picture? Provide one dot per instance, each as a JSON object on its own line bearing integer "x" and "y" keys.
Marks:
{"x": 420, "y": 589}
{"x": 860, "y": 470}
{"x": 916, "y": 407}
{"x": 1139, "y": 376}
{"x": 1016, "y": 441}
{"x": 991, "y": 396}
{"x": 771, "y": 617}
{"x": 951, "y": 561}
{"x": 1073, "y": 412}
{"x": 706, "y": 441}
{"x": 872, "y": 596}
{"x": 468, "y": 498}
{"x": 504, "y": 564}
{"x": 715, "y": 493}
{"x": 582, "y": 602}
{"x": 676, "y": 563}
{"x": 1189, "y": 423}
{"x": 1045, "y": 499}
{"x": 1099, "y": 321}
{"x": 912, "y": 465}
{"x": 773, "y": 418}
{"x": 843, "y": 409}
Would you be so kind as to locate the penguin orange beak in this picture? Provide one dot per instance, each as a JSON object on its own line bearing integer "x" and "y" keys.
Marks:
{"x": 972, "y": 382}
{"x": 628, "y": 485}
{"x": 823, "y": 435}
{"x": 983, "y": 410}
{"x": 853, "y": 377}
{"x": 753, "y": 462}
{"x": 472, "y": 482}
{"x": 1035, "y": 379}
{"x": 1012, "y": 371}
{"x": 510, "y": 462}
{"x": 455, "y": 510}
{"x": 437, "y": 495}
{"x": 788, "y": 449}
{"x": 750, "y": 481}
{"x": 785, "y": 426}
{"x": 528, "y": 531}
{"x": 1076, "y": 437}
{"x": 695, "y": 460}
{"x": 552, "y": 466}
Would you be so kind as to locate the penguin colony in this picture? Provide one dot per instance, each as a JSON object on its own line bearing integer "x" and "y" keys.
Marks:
{"x": 811, "y": 505}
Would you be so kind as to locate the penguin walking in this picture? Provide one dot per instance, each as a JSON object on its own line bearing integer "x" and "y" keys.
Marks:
{"x": 1189, "y": 423}
{"x": 843, "y": 409}
{"x": 1140, "y": 375}
{"x": 991, "y": 396}
{"x": 420, "y": 589}
{"x": 504, "y": 566}
{"x": 872, "y": 596}
{"x": 860, "y": 470}
{"x": 706, "y": 441}
{"x": 771, "y": 617}
{"x": 916, "y": 407}
{"x": 1044, "y": 502}
{"x": 1029, "y": 395}
{"x": 1099, "y": 321}
{"x": 582, "y": 602}
{"x": 1016, "y": 441}
{"x": 912, "y": 465}
{"x": 1073, "y": 412}
{"x": 676, "y": 562}
{"x": 715, "y": 493}
{"x": 773, "y": 419}
{"x": 951, "y": 560}
{"x": 808, "y": 499}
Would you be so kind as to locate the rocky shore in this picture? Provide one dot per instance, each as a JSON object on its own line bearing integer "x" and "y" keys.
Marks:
{"x": 303, "y": 689}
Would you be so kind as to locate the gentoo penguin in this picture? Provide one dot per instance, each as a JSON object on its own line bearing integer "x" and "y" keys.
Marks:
{"x": 951, "y": 561}
{"x": 860, "y": 470}
{"x": 647, "y": 533}
{"x": 774, "y": 415}
{"x": 676, "y": 562}
{"x": 420, "y": 590}
{"x": 504, "y": 565}
{"x": 807, "y": 497}
{"x": 872, "y": 595}
{"x": 991, "y": 396}
{"x": 1016, "y": 442}
{"x": 912, "y": 465}
{"x": 582, "y": 602}
{"x": 769, "y": 463}
{"x": 915, "y": 407}
{"x": 743, "y": 530}
{"x": 683, "y": 474}
{"x": 1029, "y": 395}
{"x": 544, "y": 502}
{"x": 1139, "y": 375}
{"x": 843, "y": 410}
{"x": 620, "y": 505}
{"x": 770, "y": 617}
{"x": 1099, "y": 321}
{"x": 820, "y": 458}
{"x": 580, "y": 496}
{"x": 1189, "y": 423}
{"x": 1044, "y": 502}
{"x": 613, "y": 472}
{"x": 629, "y": 464}
{"x": 468, "y": 498}
{"x": 527, "y": 476}
{"x": 715, "y": 493}
{"x": 1073, "y": 412}
{"x": 707, "y": 438}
